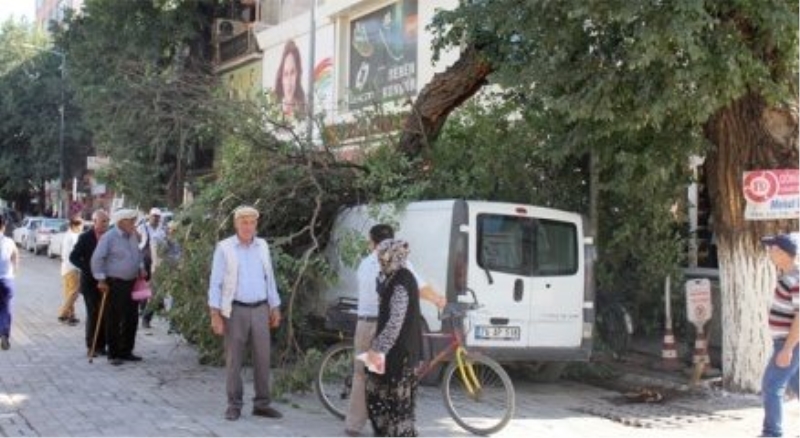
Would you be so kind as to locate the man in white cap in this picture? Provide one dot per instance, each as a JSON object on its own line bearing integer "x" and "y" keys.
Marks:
{"x": 784, "y": 325}
{"x": 244, "y": 304}
{"x": 151, "y": 235}
{"x": 116, "y": 264}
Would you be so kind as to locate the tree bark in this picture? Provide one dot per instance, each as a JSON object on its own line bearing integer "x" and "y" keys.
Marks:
{"x": 444, "y": 93}
{"x": 746, "y": 135}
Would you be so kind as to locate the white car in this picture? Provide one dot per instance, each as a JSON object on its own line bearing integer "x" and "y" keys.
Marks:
{"x": 25, "y": 230}
{"x": 54, "y": 248}
{"x": 39, "y": 239}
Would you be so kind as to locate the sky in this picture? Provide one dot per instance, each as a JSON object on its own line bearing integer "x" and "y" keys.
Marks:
{"x": 18, "y": 8}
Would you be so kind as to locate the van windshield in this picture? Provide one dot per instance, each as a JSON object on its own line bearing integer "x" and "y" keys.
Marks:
{"x": 527, "y": 246}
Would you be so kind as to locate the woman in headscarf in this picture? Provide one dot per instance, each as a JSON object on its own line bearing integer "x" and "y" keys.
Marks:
{"x": 391, "y": 395}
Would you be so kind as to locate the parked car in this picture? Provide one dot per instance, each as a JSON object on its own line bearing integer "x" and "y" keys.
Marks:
{"x": 25, "y": 230}
{"x": 40, "y": 238}
{"x": 54, "y": 248}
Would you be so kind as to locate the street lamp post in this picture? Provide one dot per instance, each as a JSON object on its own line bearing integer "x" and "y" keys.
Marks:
{"x": 61, "y": 152}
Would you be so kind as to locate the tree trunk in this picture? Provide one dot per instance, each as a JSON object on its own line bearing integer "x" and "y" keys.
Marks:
{"x": 746, "y": 135}
{"x": 444, "y": 93}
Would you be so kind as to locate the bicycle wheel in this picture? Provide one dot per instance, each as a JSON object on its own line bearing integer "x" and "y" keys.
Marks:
{"x": 335, "y": 377}
{"x": 490, "y": 406}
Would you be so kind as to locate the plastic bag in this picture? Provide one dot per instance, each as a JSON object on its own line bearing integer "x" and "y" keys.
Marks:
{"x": 378, "y": 367}
{"x": 141, "y": 290}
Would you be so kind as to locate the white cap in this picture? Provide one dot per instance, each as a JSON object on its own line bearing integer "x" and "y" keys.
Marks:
{"x": 245, "y": 211}
{"x": 125, "y": 213}
{"x": 155, "y": 212}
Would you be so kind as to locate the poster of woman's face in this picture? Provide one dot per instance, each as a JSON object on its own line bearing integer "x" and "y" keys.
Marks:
{"x": 289, "y": 82}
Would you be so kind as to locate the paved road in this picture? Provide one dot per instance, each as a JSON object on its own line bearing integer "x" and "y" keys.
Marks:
{"x": 47, "y": 388}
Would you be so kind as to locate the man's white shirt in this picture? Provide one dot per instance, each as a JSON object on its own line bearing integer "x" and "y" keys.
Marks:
{"x": 367, "y": 273}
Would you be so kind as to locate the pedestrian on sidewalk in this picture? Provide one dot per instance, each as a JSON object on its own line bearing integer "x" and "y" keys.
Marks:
{"x": 169, "y": 254}
{"x": 70, "y": 274}
{"x": 244, "y": 304}
{"x": 784, "y": 324}
{"x": 367, "y": 274}
{"x": 9, "y": 266}
{"x": 116, "y": 265}
{"x": 151, "y": 235}
{"x": 391, "y": 395}
{"x": 81, "y": 256}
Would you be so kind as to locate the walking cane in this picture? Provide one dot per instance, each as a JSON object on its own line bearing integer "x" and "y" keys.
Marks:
{"x": 99, "y": 324}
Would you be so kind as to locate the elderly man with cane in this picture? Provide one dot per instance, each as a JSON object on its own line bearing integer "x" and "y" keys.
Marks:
{"x": 116, "y": 264}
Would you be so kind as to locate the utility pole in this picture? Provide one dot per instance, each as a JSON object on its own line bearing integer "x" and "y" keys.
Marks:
{"x": 311, "y": 55}
{"x": 61, "y": 152}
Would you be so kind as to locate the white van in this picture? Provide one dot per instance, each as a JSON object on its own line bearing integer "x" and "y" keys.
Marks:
{"x": 526, "y": 265}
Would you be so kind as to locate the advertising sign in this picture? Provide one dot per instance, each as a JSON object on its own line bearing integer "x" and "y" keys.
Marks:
{"x": 383, "y": 55}
{"x": 698, "y": 301}
{"x": 243, "y": 82}
{"x": 771, "y": 194}
{"x": 286, "y": 73}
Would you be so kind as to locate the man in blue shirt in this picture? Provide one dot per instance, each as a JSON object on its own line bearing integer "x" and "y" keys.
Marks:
{"x": 116, "y": 264}
{"x": 244, "y": 304}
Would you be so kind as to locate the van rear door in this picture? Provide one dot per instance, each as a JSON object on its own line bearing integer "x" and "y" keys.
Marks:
{"x": 525, "y": 270}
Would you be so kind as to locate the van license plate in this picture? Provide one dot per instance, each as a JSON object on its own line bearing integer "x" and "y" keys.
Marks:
{"x": 497, "y": 332}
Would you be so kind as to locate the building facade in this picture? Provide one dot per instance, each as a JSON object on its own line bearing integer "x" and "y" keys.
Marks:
{"x": 331, "y": 59}
{"x": 53, "y": 10}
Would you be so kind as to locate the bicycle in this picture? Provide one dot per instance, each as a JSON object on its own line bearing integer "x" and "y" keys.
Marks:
{"x": 614, "y": 324}
{"x": 477, "y": 391}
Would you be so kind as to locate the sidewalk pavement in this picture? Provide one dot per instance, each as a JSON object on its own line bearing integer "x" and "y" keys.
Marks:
{"x": 48, "y": 388}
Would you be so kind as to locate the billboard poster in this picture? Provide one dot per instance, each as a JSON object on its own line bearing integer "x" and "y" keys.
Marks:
{"x": 771, "y": 194}
{"x": 383, "y": 55}
{"x": 243, "y": 82}
{"x": 286, "y": 73}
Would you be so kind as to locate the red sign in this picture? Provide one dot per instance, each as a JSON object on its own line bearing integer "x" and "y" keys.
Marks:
{"x": 771, "y": 194}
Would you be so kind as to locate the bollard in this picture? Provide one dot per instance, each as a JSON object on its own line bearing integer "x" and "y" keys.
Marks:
{"x": 700, "y": 355}
{"x": 700, "y": 358}
{"x": 669, "y": 352}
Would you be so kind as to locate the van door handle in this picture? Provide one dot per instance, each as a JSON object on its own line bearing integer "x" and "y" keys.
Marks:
{"x": 518, "y": 290}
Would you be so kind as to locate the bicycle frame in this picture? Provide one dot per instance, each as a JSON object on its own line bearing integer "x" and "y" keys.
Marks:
{"x": 455, "y": 349}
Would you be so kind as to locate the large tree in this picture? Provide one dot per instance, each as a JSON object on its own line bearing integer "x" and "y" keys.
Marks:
{"x": 32, "y": 92}
{"x": 664, "y": 80}
{"x": 142, "y": 74}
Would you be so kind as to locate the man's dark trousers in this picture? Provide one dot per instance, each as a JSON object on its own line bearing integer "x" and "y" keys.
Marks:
{"x": 122, "y": 318}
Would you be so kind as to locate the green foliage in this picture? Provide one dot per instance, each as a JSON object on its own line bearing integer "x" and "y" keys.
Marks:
{"x": 488, "y": 151}
{"x": 299, "y": 377}
{"x": 31, "y": 88}
{"x": 635, "y": 83}
{"x": 148, "y": 99}
{"x": 297, "y": 194}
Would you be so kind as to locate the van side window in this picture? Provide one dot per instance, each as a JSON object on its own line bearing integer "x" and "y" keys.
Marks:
{"x": 527, "y": 246}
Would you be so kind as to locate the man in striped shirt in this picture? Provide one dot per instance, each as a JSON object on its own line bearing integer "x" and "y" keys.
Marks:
{"x": 782, "y": 369}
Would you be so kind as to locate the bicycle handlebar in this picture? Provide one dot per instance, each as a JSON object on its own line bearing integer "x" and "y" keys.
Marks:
{"x": 458, "y": 309}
